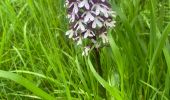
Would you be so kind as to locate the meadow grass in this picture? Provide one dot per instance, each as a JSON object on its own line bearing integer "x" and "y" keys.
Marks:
{"x": 37, "y": 60}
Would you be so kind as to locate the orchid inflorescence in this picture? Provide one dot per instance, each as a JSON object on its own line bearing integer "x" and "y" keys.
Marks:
{"x": 89, "y": 20}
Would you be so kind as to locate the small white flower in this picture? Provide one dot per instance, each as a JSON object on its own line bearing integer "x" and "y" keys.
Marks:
{"x": 79, "y": 25}
{"x": 88, "y": 33}
{"x": 112, "y": 13}
{"x": 88, "y": 16}
{"x": 100, "y": 8}
{"x": 109, "y": 24}
{"x": 86, "y": 51}
{"x": 79, "y": 42}
{"x": 97, "y": 8}
{"x": 84, "y": 3}
{"x": 72, "y": 17}
{"x": 66, "y": 3}
{"x": 104, "y": 37}
{"x": 78, "y": 39}
{"x": 70, "y": 33}
{"x": 97, "y": 22}
{"x": 105, "y": 13}
{"x": 94, "y": 41}
{"x": 75, "y": 7}
{"x": 97, "y": 45}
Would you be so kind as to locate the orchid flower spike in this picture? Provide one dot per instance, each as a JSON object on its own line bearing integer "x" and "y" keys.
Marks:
{"x": 89, "y": 20}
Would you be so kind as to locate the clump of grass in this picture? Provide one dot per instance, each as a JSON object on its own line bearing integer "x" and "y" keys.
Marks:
{"x": 33, "y": 45}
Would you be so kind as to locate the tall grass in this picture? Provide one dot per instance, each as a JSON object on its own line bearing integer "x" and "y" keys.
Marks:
{"x": 37, "y": 60}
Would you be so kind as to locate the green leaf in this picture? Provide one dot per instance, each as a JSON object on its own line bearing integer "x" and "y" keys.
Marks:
{"x": 160, "y": 46}
{"x": 27, "y": 84}
{"x": 112, "y": 90}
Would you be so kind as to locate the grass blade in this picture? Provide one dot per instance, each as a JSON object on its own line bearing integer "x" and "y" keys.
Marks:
{"x": 118, "y": 59}
{"x": 160, "y": 46}
{"x": 27, "y": 84}
{"x": 112, "y": 90}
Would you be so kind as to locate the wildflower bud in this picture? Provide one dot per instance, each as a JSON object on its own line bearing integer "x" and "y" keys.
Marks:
{"x": 89, "y": 20}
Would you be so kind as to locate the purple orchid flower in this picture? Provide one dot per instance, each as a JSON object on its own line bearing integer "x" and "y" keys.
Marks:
{"x": 89, "y": 19}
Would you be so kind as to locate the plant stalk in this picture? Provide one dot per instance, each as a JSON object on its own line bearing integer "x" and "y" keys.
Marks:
{"x": 102, "y": 90}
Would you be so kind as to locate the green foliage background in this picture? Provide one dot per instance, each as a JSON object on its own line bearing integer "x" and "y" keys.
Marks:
{"x": 38, "y": 61}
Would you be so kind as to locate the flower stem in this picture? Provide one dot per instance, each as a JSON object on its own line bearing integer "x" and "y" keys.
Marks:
{"x": 102, "y": 90}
